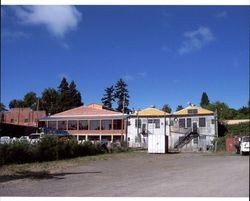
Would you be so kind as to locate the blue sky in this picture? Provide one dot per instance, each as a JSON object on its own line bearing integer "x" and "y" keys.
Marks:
{"x": 166, "y": 54}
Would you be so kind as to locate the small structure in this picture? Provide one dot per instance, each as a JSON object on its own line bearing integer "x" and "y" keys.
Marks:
{"x": 90, "y": 122}
{"x": 192, "y": 128}
{"x": 22, "y": 117}
{"x": 149, "y": 129}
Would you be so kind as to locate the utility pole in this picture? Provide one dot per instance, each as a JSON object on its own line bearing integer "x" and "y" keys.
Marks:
{"x": 123, "y": 103}
{"x": 216, "y": 129}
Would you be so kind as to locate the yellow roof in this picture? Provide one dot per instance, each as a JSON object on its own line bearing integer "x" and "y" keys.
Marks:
{"x": 186, "y": 111}
{"x": 150, "y": 112}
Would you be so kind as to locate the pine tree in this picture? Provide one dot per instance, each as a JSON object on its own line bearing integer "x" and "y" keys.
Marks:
{"x": 64, "y": 96}
{"x": 108, "y": 97}
{"x": 166, "y": 108}
{"x": 204, "y": 100}
{"x": 76, "y": 99}
{"x": 49, "y": 101}
{"x": 121, "y": 95}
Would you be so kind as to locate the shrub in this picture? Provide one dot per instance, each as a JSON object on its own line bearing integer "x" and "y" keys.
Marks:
{"x": 48, "y": 148}
{"x": 17, "y": 152}
{"x": 51, "y": 148}
{"x": 221, "y": 144}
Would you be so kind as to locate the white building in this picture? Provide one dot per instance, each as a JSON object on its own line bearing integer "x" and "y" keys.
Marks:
{"x": 192, "y": 128}
{"x": 149, "y": 129}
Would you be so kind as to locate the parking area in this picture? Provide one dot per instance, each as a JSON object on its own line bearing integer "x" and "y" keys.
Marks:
{"x": 142, "y": 174}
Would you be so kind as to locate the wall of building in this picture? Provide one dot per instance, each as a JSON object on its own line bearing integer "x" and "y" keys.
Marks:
{"x": 138, "y": 136}
{"x": 23, "y": 116}
{"x": 206, "y": 133}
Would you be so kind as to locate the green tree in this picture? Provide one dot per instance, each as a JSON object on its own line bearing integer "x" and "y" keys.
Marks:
{"x": 204, "y": 100}
{"x": 64, "y": 101}
{"x": 179, "y": 107}
{"x": 75, "y": 95}
{"x": 121, "y": 95}
{"x": 16, "y": 103}
{"x": 166, "y": 108}
{"x": 222, "y": 109}
{"x": 243, "y": 112}
{"x": 49, "y": 101}
{"x": 30, "y": 100}
{"x": 108, "y": 97}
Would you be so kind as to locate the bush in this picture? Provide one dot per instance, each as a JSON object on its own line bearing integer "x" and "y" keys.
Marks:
{"x": 51, "y": 148}
{"x": 48, "y": 149}
{"x": 221, "y": 144}
{"x": 17, "y": 152}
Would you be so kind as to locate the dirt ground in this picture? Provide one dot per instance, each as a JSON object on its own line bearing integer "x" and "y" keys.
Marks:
{"x": 141, "y": 174}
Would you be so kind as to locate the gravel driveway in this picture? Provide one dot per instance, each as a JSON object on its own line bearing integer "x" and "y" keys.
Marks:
{"x": 142, "y": 174}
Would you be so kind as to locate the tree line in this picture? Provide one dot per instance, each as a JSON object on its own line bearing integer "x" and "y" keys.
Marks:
{"x": 223, "y": 110}
{"x": 65, "y": 97}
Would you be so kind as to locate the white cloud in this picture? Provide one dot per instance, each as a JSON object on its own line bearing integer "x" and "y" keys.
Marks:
{"x": 222, "y": 14}
{"x": 13, "y": 35}
{"x": 195, "y": 40}
{"x": 58, "y": 20}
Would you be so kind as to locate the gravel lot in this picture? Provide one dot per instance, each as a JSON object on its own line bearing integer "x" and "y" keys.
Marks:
{"x": 142, "y": 174}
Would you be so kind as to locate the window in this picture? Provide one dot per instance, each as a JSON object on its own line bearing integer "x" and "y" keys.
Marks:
{"x": 72, "y": 125}
{"x": 52, "y": 124}
{"x": 117, "y": 124}
{"x": 138, "y": 123}
{"x": 41, "y": 124}
{"x": 157, "y": 123}
{"x": 181, "y": 123}
{"x": 202, "y": 122}
{"x": 212, "y": 121}
{"x": 192, "y": 111}
{"x": 83, "y": 125}
{"x": 106, "y": 124}
{"x": 12, "y": 120}
{"x": 189, "y": 122}
{"x": 26, "y": 120}
{"x": 94, "y": 124}
{"x": 62, "y": 125}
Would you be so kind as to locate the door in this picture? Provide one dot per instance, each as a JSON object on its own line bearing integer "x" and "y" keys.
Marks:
{"x": 195, "y": 127}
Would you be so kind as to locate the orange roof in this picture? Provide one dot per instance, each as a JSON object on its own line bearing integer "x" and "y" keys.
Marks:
{"x": 86, "y": 111}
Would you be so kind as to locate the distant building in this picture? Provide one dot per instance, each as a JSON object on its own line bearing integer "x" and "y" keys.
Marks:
{"x": 90, "y": 122}
{"x": 22, "y": 116}
{"x": 236, "y": 121}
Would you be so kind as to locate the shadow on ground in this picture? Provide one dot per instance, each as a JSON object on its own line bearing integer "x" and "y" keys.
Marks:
{"x": 40, "y": 175}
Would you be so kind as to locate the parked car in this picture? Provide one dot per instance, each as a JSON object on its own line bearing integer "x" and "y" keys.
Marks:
{"x": 242, "y": 145}
{"x": 24, "y": 139}
{"x": 35, "y": 137}
{"x": 5, "y": 140}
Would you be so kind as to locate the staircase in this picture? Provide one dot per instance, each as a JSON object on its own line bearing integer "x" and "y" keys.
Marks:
{"x": 189, "y": 135}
